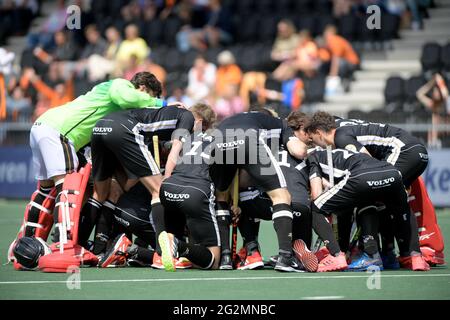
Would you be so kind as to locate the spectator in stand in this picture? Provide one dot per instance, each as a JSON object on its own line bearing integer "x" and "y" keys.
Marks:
{"x": 133, "y": 68}
{"x": 180, "y": 95}
{"x": 341, "y": 7}
{"x": 60, "y": 94}
{"x": 286, "y": 41}
{"x": 201, "y": 79}
{"x": 157, "y": 70}
{"x": 55, "y": 22}
{"x": 65, "y": 49}
{"x": 18, "y": 106}
{"x": 218, "y": 30}
{"x": 307, "y": 59}
{"x": 132, "y": 45}
{"x": 228, "y": 72}
{"x": 434, "y": 96}
{"x": 229, "y": 103}
{"x": 344, "y": 60}
{"x": 99, "y": 66}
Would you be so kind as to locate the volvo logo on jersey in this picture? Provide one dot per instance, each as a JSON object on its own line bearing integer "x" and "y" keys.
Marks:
{"x": 381, "y": 183}
{"x": 102, "y": 130}
{"x": 176, "y": 196}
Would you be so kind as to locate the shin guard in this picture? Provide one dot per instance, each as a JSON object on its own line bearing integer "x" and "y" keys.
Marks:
{"x": 430, "y": 236}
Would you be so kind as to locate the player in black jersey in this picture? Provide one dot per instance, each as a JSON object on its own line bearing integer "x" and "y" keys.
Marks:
{"x": 256, "y": 205}
{"x": 188, "y": 199}
{"x": 381, "y": 141}
{"x": 386, "y": 143}
{"x": 120, "y": 140}
{"x": 242, "y": 143}
{"x": 362, "y": 181}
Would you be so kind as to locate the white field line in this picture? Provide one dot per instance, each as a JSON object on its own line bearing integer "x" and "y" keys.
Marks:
{"x": 365, "y": 275}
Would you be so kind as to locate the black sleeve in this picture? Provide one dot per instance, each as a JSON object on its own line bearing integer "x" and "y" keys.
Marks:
{"x": 314, "y": 166}
{"x": 345, "y": 139}
{"x": 286, "y": 133}
{"x": 185, "y": 125}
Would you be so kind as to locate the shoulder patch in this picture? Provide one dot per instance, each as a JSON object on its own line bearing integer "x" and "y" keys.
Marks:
{"x": 351, "y": 147}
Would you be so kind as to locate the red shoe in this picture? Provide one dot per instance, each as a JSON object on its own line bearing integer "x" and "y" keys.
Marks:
{"x": 414, "y": 263}
{"x": 432, "y": 257}
{"x": 306, "y": 257}
{"x": 182, "y": 263}
{"x": 322, "y": 253}
{"x": 252, "y": 261}
{"x": 332, "y": 263}
{"x": 116, "y": 255}
{"x": 157, "y": 263}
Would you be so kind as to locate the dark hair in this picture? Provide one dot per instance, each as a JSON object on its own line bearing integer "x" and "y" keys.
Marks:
{"x": 206, "y": 113}
{"x": 321, "y": 121}
{"x": 149, "y": 81}
{"x": 298, "y": 120}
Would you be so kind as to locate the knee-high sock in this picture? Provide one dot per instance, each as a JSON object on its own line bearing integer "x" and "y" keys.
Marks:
{"x": 88, "y": 220}
{"x": 302, "y": 223}
{"x": 324, "y": 230}
{"x": 369, "y": 223}
{"x": 248, "y": 227}
{"x": 406, "y": 232}
{"x": 223, "y": 220}
{"x": 282, "y": 222}
{"x": 103, "y": 227}
{"x": 198, "y": 255}
{"x": 158, "y": 221}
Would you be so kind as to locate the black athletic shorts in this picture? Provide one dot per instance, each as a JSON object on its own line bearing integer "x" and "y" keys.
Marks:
{"x": 113, "y": 144}
{"x": 383, "y": 184}
{"x": 412, "y": 162}
{"x": 248, "y": 152}
{"x": 133, "y": 213}
{"x": 193, "y": 204}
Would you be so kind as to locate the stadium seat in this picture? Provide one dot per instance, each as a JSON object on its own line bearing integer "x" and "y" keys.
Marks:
{"x": 378, "y": 116}
{"x": 445, "y": 58}
{"x": 283, "y": 7}
{"x": 212, "y": 53}
{"x": 364, "y": 34}
{"x": 324, "y": 7}
{"x": 245, "y": 6}
{"x": 412, "y": 85}
{"x": 188, "y": 59}
{"x": 314, "y": 89}
{"x": 153, "y": 31}
{"x": 158, "y": 54}
{"x": 390, "y": 24}
{"x": 267, "y": 28}
{"x": 173, "y": 60}
{"x": 306, "y": 22}
{"x": 171, "y": 26}
{"x": 357, "y": 114}
{"x": 394, "y": 93}
{"x": 265, "y": 6}
{"x": 322, "y": 21}
{"x": 246, "y": 27}
{"x": 431, "y": 57}
{"x": 347, "y": 27}
{"x": 302, "y": 6}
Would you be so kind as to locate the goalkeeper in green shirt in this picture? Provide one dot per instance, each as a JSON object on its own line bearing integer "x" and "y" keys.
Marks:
{"x": 60, "y": 132}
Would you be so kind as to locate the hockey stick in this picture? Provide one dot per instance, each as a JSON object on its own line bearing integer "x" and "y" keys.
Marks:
{"x": 156, "y": 150}
{"x": 235, "y": 204}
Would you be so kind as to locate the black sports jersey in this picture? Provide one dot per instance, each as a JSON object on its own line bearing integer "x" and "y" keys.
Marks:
{"x": 266, "y": 125}
{"x": 195, "y": 157}
{"x": 345, "y": 163}
{"x": 383, "y": 141}
{"x": 162, "y": 122}
{"x": 300, "y": 172}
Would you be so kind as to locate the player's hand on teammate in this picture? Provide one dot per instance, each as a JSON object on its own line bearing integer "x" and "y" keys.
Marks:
{"x": 236, "y": 214}
{"x": 178, "y": 105}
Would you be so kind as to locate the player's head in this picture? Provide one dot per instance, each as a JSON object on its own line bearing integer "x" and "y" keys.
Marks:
{"x": 321, "y": 129}
{"x": 147, "y": 82}
{"x": 264, "y": 109}
{"x": 297, "y": 121}
{"x": 204, "y": 116}
{"x": 28, "y": 250}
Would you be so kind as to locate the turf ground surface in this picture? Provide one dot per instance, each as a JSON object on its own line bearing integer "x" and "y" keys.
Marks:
{"x": 139, "y": 283}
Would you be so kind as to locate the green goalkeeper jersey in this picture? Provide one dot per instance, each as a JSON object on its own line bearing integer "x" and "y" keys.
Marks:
{"x": 75, "y": 120}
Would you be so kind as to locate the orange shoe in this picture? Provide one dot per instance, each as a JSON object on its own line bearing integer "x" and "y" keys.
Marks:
{"x": 305, "y": 256}
{"x": 116, "y": 255}
{"x": 240, "y": 257}
{"x": 432, "y": 257}
{"x": 321, "y": 253}
{"x": 183, "y": 263}
{"x": 332, "y": 263}
{"x": 414, "y": 263}
{"x": 157, "y": 263}
{"x": 252, "y": 261}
